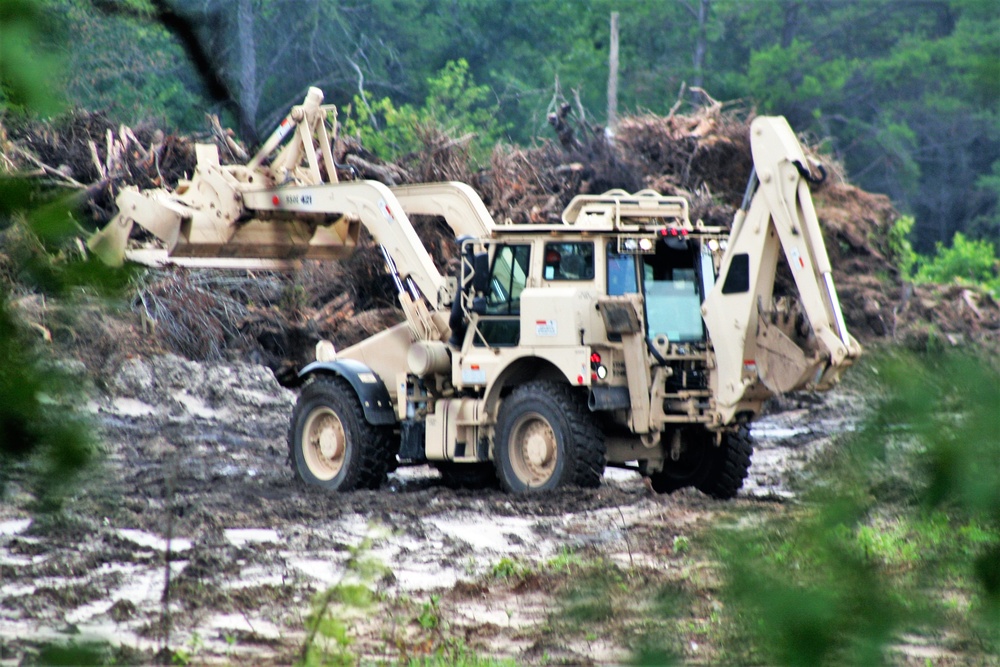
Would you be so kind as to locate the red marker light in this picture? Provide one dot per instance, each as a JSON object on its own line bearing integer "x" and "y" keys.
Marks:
{"x": 275, "y": 200}
{"x": 595, "y": 358}
{"x": 579, "y": 379}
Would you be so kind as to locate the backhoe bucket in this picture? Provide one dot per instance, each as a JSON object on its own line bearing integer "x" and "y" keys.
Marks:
{"x": 781, "y": 364}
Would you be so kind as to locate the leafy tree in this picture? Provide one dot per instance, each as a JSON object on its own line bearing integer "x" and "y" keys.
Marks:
{"x": 454, "y": 104}
{"x": 902, "y": 90}
{"x": 123, "y": 62}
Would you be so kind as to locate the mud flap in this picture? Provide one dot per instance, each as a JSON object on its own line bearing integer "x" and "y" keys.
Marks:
{"x": 371, "y": 391}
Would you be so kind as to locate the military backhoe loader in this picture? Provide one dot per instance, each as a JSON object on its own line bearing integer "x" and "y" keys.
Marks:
{"x": 626, "y": 335}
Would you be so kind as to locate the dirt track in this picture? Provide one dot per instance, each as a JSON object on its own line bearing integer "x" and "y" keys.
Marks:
{"x": 196, "y": 467}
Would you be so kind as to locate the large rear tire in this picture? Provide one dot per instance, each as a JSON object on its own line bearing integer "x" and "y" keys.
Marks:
{"x": 545, "y": 438}
{"x": 717, "y": 471}
{"x": 330, "y": 444}
{"x": 731, "y": 465}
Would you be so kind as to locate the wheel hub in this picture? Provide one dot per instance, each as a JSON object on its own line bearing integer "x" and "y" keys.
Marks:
{"x": 539, "y": 445}
{"x": 329, "y": 444}
{"x": 324, "y": 443}
{"x": 534, "y": 450}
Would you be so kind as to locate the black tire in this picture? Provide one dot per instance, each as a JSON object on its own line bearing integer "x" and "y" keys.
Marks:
{"x": 467, "y": 475}
{"x": 717, "y": 471}
{"x": 330, "y": 444}
{"x": 731, "y": 466}
{"x": 697, "y": 455}
{"x": 546, "y": 438}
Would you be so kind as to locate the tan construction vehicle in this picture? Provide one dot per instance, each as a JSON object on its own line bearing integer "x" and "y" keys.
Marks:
{"x": 628, "y": 335}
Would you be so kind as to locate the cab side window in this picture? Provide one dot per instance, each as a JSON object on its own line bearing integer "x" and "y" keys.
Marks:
{"x": 569, "y": 261}
{"x": 621, "y": 273}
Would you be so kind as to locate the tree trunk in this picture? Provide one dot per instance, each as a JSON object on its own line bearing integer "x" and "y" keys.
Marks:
{"x": 791, "y": 24}
{"x": 249, "y": 92}
{"x": 613, "y": 75}
{"x": 701, "y": 44}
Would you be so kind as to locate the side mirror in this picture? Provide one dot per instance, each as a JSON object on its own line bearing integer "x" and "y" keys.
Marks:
{"x": 481, "y": 277}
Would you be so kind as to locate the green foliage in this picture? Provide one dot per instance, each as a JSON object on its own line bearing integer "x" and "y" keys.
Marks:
{"x": 382, "y": 128}
{"x": 455, "y": 106}
{"x": 328, "y": 624}
{"x": 24, "y": 66}
{"x": 509, "y": 568}
{"x": 455, "y": 653}
{"x": 901, "y": 252}
{"x": 903, "y": 516}
{"x": 430, "y": 617}
{"x": 965, "y": 262}
{"x": 795, "y": 77}
{"x": 122, "y": 61}
{"x": 40, "y": 430}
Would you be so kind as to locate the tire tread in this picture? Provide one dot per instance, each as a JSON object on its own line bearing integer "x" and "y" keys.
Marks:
{"x": 374, "y": 443}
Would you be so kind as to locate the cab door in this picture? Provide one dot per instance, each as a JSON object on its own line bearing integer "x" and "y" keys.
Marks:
{"x": 499, "y": 321}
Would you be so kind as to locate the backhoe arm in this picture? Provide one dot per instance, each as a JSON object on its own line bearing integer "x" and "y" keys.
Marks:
{"x": 287, "y": 205}
{"x": 763, "y": 347}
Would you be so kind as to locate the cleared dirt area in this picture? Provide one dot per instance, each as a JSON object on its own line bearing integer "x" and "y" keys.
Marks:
{"x": 196, "y": 477}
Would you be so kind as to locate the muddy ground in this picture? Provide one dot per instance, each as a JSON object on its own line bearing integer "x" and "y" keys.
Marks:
{"x": 195, "y": 474}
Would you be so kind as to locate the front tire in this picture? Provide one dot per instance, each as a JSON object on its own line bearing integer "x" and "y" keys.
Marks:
{"x": 330, "y": 444}
{"x": 545, "y": 438}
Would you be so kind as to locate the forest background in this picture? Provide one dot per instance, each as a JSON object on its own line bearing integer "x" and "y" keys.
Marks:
{"x": 903, "y": 92}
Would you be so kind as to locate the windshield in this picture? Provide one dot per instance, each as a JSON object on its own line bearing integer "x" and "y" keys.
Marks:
{"x": 671, "y": 281}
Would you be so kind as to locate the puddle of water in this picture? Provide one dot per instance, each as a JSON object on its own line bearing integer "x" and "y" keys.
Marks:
{"x": 487, "y": 536}
{"x": 256, "y": 575}
{"x": 763, "y": 431}
{"x": 22, "y": 561}
{"x": 259, "y": 626}
{"x": 326, "y": 571}
{"x": 239, "y": 537}
{"x": 425, "y": 577}
{"x": 14, "y": 526}
{"x": 155, "y": 542}
{"x": 198, "y": 408}
{"x": 131, "y": 407}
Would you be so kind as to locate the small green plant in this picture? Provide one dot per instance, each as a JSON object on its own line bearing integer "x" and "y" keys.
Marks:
{"x": 565, "y": 561}
{"x": 509, "y": 568}
{"x": 966, "y": 262}
{"x": 430, "y": 618}
{"x": 681, "y": 544}
{"x": 183, "y": 656}
{"x": 328, "y": 641}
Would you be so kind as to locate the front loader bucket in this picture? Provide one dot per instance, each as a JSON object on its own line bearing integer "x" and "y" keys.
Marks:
{"x": 109, "y": 244}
